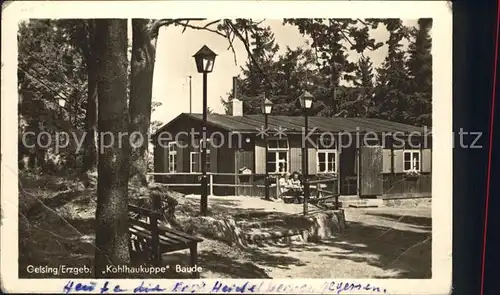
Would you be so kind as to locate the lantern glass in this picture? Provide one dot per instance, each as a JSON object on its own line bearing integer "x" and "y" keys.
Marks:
{"x": 267, "y": 106}
{"x": 268, "y": 109}
{"x": 306, "y": 100}
{"x": 205, "y": 60}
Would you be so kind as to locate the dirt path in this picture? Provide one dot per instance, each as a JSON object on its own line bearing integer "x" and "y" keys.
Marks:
{"x": 380, "y": 242}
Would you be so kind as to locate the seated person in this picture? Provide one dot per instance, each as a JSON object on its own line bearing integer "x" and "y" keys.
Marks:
{"x": 296, "y": 187}
{"x": 284, "y": 183}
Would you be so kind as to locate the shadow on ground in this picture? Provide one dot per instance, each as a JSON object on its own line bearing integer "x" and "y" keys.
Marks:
{"x": 400, "y": 253}
{"x": 418, "y": 221}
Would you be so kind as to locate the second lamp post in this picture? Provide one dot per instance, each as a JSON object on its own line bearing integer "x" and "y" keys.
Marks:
{"x": 267, "y": 107}
{"x": 306, "y": 100}
{"x": 205, "y": 59}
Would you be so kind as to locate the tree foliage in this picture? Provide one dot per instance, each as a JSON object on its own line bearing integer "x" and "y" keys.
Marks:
{"x": 51, "y": 70}
{"x": 399, "y": 90}
{"x": 391, "y": 96}
{"x": 420, "y": 72}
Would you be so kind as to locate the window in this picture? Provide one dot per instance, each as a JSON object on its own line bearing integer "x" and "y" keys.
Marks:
{"x": 411, "y": 160}
{"x": 172, "y": 157}
{"x": 277, "y": 155}
{"x": 195, "y": 159}
{"x": 327, "y": 161}
{"x": 326, "y": 156}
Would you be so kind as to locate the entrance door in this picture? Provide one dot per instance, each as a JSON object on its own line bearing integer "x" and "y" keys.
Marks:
{"x": 371, "y": 167}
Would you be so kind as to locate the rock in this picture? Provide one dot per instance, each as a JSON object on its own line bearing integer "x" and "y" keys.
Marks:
{"x": 326, "y": 224}
{"x": 224, "y": 230}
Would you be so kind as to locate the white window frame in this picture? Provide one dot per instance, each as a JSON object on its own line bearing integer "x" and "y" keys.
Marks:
{"x": 327, "y": 152}
{"x": 277, "y": 150}
{"x": 411, "y": 152}
{"x": 198, "y": 153}
{"x": 192, "y": 161}
{"x": 172, "y": 155}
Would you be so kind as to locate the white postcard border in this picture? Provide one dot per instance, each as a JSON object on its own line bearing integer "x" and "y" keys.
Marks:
{"x": 442, "y": 183}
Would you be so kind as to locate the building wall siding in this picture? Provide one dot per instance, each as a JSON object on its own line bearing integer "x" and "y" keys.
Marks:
{"x": 295, "y": 156}
{"x": 260, "y": 156}
{"x": 229, "y": 159}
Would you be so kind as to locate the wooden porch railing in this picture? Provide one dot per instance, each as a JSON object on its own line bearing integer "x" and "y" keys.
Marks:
{"x": 321, "y": 194}
{"x": 212, "y": 184}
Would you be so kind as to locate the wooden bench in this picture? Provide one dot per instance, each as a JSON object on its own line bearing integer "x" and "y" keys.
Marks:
{"x": 153, "y": 239}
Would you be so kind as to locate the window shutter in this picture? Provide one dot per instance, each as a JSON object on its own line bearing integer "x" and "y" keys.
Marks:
{"x": 312, "y": 160}
{"x": 426, "y": 160}
{"x": 398, "y": 161}
{"x": 260, "y": 157}
{"x": 386, "y": 161}
{"x": 179, "y": 148}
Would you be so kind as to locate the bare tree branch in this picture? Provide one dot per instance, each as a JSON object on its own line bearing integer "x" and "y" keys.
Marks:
{"x": 177, "y": 22}
{"x": 231, "y": 33}
{"x": 212, "y": 23}
{"x": 362, "y": 21}
{"x": 185, "y": 27}
{"x": 231, "y": 40}
{"x": 155, "y": 26}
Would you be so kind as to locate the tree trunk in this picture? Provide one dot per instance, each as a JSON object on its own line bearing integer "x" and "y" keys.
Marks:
{"x": 90, "y": 156}
{"x": 142, "y": 67}
{"x": 112, "y": 235}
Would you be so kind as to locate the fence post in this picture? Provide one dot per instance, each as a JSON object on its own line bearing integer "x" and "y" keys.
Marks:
{"x": 211, "y": 184}
{"x": 277, "y": 187}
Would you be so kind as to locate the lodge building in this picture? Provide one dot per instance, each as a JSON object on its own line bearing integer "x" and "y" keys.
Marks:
{"x": 392, "y": 159}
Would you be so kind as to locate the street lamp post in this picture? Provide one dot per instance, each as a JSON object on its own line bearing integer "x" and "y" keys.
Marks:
{"x": 205, "y": 59}
{"x": 267, "y": 107}
{"x": 306, "y": 100}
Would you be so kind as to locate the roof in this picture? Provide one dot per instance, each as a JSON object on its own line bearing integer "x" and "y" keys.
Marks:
{"x": 294, "y": 124}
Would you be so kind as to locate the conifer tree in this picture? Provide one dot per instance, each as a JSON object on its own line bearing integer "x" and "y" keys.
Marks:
{"x": 360, "y": 103}
{"x": 391, "y": 97}
{"x": 420, "y": 72}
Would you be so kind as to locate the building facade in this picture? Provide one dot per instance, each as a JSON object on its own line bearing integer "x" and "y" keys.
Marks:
{"x": 368, "y": 157}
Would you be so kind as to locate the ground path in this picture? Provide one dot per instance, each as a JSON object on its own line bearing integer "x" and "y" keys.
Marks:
{"x": 379, "y": 242}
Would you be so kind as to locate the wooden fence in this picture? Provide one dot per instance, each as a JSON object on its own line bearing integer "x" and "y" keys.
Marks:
{"x": 322, "y": 189}
{"x": 240, "y": 186}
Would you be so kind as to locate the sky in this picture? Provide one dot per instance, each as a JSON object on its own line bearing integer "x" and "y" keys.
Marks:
{"x": 174, "y": 64}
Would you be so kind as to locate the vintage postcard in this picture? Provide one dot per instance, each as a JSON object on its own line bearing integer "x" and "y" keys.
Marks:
{"x": 227, "y": 147}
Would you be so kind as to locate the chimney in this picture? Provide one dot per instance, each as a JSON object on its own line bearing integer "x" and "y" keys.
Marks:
{"x": 237, "y": 105}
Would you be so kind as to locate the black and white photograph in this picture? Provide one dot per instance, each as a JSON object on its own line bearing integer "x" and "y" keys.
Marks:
{"x": 262, "y": 146}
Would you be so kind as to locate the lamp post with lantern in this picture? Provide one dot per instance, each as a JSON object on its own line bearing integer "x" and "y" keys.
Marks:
{"x": 306, "y": 100}
{"x": 204, "y": 59}
{"x": 267, "y": 107}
